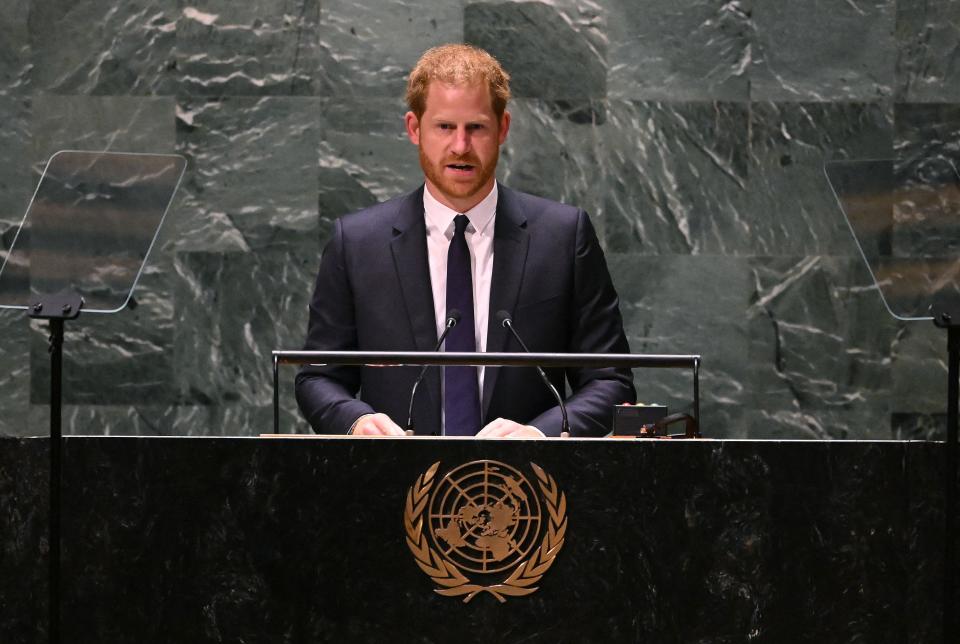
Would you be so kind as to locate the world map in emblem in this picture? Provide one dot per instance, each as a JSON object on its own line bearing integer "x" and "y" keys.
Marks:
{"x": 484, "y": 516}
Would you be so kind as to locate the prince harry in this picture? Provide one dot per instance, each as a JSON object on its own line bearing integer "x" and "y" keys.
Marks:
{"x": 390, "y": 275}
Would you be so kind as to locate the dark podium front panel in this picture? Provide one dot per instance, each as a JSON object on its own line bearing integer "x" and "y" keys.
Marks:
{"x": 24, "y": 539}
{"x": 258, "y": 540}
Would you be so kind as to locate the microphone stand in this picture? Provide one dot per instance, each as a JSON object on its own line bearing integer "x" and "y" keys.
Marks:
{"x": 453, "y": 318}
{"x": 504, "y": 318}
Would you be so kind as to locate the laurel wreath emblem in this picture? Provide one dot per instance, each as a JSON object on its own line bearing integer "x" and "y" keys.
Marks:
{"x": 450, "y": 580}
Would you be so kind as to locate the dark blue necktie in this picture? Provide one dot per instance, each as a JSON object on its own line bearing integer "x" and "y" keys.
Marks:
{"x": 461, "y": 397}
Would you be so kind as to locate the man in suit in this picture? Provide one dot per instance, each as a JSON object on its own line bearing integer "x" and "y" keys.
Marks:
{"x": 391, "y": 273}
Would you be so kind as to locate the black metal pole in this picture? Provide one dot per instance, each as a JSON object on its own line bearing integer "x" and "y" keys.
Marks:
{"x": 276, "y": 397}
{"x": 56, "y": 309}
{"x": 950, "y": 502}
{"x": 56, "y": 399}
{"x": 696, "y": 392}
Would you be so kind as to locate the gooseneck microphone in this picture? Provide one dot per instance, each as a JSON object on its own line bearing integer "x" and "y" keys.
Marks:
{"x": 453, "y": 318}
{"x": 504, "y": 318}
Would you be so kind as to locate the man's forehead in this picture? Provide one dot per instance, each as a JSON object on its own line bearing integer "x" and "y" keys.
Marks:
{"x": 437, "y": 86}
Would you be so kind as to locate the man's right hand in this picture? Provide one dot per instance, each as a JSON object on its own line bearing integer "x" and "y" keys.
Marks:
{"x": 376, "y": 425}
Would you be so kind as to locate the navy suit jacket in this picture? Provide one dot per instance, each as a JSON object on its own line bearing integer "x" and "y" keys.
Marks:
{"x": 373, "y": 293}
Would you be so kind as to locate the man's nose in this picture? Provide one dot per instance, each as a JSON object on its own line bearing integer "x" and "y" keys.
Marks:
{"x": 461, "y": 141}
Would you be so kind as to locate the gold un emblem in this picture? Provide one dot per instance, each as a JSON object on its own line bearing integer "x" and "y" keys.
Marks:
{"x": 482, "y": 528}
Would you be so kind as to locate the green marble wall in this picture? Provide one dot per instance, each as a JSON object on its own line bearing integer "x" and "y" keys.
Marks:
{"x": 693, "y": 132}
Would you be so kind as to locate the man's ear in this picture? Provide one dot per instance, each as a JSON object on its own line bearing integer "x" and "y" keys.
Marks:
{"x": 412, "y": 124}
{"x": 504, "y": 126}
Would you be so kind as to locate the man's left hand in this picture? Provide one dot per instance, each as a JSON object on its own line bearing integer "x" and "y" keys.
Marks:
{"x": 503, "y": 428}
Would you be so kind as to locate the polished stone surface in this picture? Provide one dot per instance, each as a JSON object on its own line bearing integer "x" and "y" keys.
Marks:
{"x": 694, "y": 134}
{"x": 928, "y": 45}
{"x": 24, "y": 540}
{"x": 203, "y": 540}
{"x": 554, "y": 57}
{"x": 237, "y": 49}
{"x": 803, "y": 51}
{"x": 697, "y": 50}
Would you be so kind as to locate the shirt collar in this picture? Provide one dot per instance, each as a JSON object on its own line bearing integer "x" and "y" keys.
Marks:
{"x": 439, "y": 217}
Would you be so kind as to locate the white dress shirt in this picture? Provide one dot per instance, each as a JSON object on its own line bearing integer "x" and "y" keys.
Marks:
{"x": 479, "y": 235}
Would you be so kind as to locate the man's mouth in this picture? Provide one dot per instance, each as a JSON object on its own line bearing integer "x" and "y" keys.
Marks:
{"x": 461, "y": 167}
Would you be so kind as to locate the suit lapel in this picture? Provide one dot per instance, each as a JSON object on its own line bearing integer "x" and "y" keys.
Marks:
{"x": 510, "y": 244}
{"x": 409, "y": 248}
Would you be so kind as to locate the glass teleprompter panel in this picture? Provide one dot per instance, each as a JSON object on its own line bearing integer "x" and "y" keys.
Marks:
{"x": 89, "y": 228}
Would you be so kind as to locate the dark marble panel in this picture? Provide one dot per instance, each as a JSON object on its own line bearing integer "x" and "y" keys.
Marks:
{"x": 792, "y": 208}
{"x": 16, "y": 180}
{"x": 803, "y": 422}
{"x": 913, "y": 426}
{"x": 16, "y": 189}
{"x": 861, "y": 480}
{"x": 225, "y": 360}
{"x": 251, "y": 179}
{"x": 919, "y": 368}
{"x": 151, "y": 418}
{"x": 119, "y": 358}
{"x": 691, "y": 51}
{"x": 806, "y": 51}
{"x": 142, "y": 419}
{"x": 14, "y": 49}
{"x": 24, "y": 539}
{"x": 928, "y": 51}
{"x": 221, "y": 540}
{"x": 563, "y": 137}
{"x": 234, "y": 48}
{"x": 90, "y": 47}
{"x": 925, "y": 468}
{"x": 14, "y": 373}
{"x": 927, "y": 131}
{"x": 368, "y": 49}
{"x": 690, "y": 305}
{"x": 676, "y": 178}
{"x": 820, "y": 345}
{"x": 365, "y": 155}
{"x": 115, "y": 123}
{"x": 550, "y": 51}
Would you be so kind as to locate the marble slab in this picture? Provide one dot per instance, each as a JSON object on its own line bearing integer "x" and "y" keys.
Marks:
{"x": 241, "y": 49}
{"x": 367, "y": 49}
{"x": 239, "y": 539}
{"x": 928, "y": 61}
{"x": 551, "y": 56}
{"x": 96, "y": 48}
{"x": 24, "y": 540}
{"x": 700, "y": 50}
{"x": 14, "y": 49}
{"x": 804, "y": 51}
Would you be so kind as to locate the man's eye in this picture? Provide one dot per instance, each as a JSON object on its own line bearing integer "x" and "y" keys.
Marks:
{"x": 475, "y": 126}
{"x": 446, "y": 126}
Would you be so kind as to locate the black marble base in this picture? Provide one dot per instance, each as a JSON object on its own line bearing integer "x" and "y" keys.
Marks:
{"x": 24, "y": 539}
{"x": 204, "y": 540}
{"x": 257, "y": 540}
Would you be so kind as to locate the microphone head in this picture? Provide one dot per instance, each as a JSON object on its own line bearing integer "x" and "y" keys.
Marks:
{"x": 454, "y": 315}
{"x": 503, "y": 317}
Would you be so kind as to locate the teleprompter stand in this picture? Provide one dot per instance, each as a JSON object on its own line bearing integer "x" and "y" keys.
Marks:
{"x": 56, "y": 309}
{"x": 948, "y": 318}
{"x": 905, "y": 216}
{"x": 82, "y": 246}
